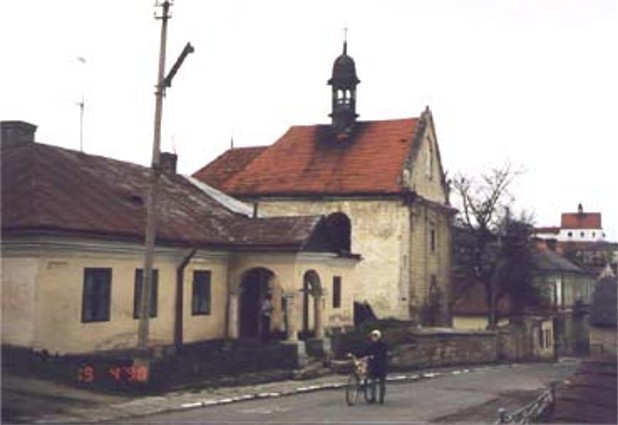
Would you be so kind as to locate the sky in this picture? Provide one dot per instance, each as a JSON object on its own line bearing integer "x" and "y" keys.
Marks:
{"x": 530, "y": 83}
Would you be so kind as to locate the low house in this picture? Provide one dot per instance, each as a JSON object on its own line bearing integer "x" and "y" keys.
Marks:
{"x": 558, "y": 322}
{"x": 73, "y": 252}
{"x": 567, "y": 289}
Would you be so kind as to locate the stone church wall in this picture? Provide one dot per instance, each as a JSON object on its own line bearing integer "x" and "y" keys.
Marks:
{"x": 378, "y": 229}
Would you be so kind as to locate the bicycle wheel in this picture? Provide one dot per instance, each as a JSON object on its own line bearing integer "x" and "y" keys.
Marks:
{"x": 370, "y": 390}
{"x": 351, "y": 390}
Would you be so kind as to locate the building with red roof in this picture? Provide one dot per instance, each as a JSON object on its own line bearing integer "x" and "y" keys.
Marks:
{"x": 381, "y": 184}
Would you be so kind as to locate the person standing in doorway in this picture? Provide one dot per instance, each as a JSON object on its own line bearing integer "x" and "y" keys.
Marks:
{"x": 266, "y": 310}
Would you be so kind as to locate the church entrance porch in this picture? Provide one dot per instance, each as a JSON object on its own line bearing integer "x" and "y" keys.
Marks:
{"x": 254, "y": 286}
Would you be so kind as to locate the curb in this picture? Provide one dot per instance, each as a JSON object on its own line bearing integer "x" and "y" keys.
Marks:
{"x": 313, "y": 388}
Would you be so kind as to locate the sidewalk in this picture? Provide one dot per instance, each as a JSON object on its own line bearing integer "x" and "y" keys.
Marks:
{"x": 50, "y": 402}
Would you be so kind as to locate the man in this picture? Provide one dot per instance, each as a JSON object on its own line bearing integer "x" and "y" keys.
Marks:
{"x": 266, "y": 310}
{"x": 377, "y": 362}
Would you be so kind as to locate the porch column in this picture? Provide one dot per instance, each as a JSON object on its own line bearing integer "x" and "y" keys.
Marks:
{"x": 232, "y": 320}
{"x": 291, "y": 314}
{"x": 317, "y": 313}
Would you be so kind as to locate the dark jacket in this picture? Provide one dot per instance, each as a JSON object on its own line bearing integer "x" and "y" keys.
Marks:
{"x": 377, "y": 363}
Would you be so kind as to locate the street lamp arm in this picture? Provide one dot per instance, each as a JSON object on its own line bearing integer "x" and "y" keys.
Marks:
{"x": 167, "y": 81}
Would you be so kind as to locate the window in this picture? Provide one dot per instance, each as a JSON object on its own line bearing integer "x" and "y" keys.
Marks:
{"x": 429, "y": 160}
{"x": 336, "y": 291}
{"x": 154, "y": 289}
{"x": 200, "y": 301}
{"x": 432, "y": 240}
{"x": 97, "y": 294}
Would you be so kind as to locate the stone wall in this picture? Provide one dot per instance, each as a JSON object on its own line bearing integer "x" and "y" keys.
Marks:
{"x": 412, "y": 348}
{"x": 444, "y": 348}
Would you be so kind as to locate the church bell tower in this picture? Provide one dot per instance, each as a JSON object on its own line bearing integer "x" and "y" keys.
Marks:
{"x": 343, "y": 82}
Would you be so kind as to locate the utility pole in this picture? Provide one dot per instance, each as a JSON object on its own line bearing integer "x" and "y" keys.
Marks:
{"x": 155, "y": 174}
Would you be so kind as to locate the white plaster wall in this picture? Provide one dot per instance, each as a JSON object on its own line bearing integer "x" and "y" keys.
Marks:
{"x": 378, "y": 228}
{"x": 19, "y": 300}
{"x": 42, "y": 298}
{"x": 289, "y": 271}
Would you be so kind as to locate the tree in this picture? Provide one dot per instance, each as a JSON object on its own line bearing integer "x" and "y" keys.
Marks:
{"x": 490, "y": 246}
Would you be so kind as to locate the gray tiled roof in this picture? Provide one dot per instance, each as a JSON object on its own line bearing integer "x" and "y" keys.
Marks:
{"x": 52, "y": 190}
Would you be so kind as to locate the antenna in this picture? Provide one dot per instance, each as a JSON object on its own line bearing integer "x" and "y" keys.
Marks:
{"x": 81, "y": 105}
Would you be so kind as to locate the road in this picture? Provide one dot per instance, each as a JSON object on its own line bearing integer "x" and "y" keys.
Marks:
{"x": 474, "y": 396}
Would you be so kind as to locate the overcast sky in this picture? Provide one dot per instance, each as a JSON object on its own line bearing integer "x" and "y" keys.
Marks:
{"x": 530, "y": 82}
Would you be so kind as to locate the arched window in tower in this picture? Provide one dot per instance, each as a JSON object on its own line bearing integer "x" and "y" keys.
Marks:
{"x": 340, "y": 230}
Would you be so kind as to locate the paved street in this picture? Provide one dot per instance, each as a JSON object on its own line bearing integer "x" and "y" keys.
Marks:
{"x": 473, "y": 395}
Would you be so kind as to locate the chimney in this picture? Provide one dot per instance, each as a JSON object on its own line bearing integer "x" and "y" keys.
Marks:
{"x": 15, "y": 132}
{"x": 168, "y": 163}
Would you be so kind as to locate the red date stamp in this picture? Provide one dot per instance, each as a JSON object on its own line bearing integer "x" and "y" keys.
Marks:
{"x": 88, "y": 374}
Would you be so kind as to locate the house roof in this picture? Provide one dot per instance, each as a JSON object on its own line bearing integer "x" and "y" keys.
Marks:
{"x": 51, "y": 190}
{"x": 604, "y": 303}
{"x": 550, "y": 261}
{"x": 227, "y": 165}
{"x": 581, "y": 220}
{"x": 548, "y": 229}
{"x": 311, "y": 160}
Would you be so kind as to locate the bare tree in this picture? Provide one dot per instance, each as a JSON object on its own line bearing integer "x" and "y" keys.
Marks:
{"x": 490, "y": 247}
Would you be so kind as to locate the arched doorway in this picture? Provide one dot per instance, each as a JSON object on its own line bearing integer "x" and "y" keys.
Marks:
{"x": 254, "y": 285}
{"x": 312, "y": 294}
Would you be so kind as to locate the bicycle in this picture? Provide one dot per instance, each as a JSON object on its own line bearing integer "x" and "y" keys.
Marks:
{"x": 360, "y": 381}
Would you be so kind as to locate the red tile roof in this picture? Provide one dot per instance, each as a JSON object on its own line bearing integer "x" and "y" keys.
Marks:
{"x": 581, "y": 221}
{"x": 548, "y": 229}
{"x": 228, "y": 164}
{"x": 311, "y": 160}
{"x": 47, "y": 189}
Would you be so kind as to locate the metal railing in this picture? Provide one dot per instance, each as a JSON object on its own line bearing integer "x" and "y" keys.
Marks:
{"x": 530, "y": 412}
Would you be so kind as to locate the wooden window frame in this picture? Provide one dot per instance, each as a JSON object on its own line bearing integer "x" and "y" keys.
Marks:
{"x": 201, "y": 293}
{"x": 97, "y": 294}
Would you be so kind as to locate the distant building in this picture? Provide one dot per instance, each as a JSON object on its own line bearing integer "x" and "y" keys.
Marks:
{"x": 581, "y": 239}
{"x": 575, "y": 227}
{"x": 380, "y": 183}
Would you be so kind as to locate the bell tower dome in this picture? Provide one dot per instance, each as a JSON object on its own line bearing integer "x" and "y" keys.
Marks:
{"x": 343, "y": 82}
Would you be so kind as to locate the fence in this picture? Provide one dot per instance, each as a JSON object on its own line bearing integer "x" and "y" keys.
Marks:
{"x": 530, "y": 412}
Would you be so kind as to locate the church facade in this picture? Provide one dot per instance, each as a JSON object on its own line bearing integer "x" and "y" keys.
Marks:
{"x": 380, "y": 186}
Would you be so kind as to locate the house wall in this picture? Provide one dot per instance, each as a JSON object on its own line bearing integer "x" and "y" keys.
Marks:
{"x": 43, "y": 284}
{"x": 289, "y": 271}
{"x": 46, "y": 310}
{"x": 19, "y": 295}
{"x": 377, "y": 229}
{"x": 393, "y": 239}
{"x": 474, "y": 322}
{"x": 603, "y": 340}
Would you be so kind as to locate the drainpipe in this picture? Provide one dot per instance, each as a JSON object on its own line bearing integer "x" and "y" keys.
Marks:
{"x": 179, "y": 310}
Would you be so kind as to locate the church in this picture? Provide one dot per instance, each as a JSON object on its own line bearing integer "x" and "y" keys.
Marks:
{"x": 382, "y": 189}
